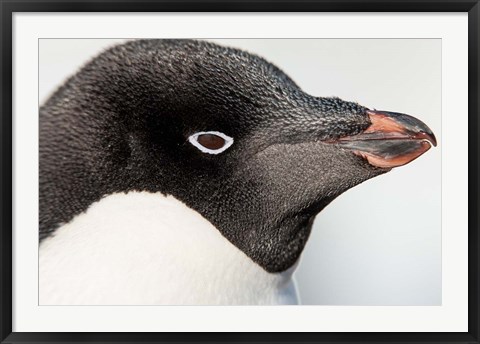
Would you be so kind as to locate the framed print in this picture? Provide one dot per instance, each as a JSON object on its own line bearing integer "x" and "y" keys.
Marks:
{"x": 239, "y": 172}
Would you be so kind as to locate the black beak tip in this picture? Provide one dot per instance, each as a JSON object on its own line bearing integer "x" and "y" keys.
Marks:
{"x": 392, "y": 139}
{"x": 412, "y": 126}
{"x": 429, "y": 136}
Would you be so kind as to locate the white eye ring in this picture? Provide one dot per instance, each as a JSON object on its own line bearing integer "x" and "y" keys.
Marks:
{"x": 193, "y": 139}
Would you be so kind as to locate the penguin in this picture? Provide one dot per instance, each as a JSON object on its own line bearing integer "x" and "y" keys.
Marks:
{"x": 182, "y": 172}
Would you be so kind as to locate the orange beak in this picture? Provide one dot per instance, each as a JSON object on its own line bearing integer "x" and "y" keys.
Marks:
{"x": 392, "y": 139}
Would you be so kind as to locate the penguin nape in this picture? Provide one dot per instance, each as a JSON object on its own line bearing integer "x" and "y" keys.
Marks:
{"x": 184, "y": 172}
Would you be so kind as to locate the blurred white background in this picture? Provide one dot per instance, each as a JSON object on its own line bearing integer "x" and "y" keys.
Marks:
{"x": 380, "y": 242}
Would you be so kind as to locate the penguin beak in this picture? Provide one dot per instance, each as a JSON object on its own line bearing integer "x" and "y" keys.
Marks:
{"x": 392, "y": 139}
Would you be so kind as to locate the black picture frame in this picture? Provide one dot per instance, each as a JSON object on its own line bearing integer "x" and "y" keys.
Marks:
{"x": 8, "y": 7}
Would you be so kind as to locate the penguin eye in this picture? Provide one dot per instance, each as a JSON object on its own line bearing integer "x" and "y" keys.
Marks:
{"x": 211, "y": 142}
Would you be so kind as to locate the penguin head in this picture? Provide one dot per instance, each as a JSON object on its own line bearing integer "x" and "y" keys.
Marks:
{"x": 224, "y": 131}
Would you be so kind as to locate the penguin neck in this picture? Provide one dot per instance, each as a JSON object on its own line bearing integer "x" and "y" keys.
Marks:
{"x": 143, "y": 248}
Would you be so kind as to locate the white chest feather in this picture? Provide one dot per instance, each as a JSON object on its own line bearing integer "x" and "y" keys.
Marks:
{"x": 149, "y": 249}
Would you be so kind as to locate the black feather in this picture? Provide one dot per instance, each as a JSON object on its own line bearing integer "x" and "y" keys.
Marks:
{"x": 122, "y": 122}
